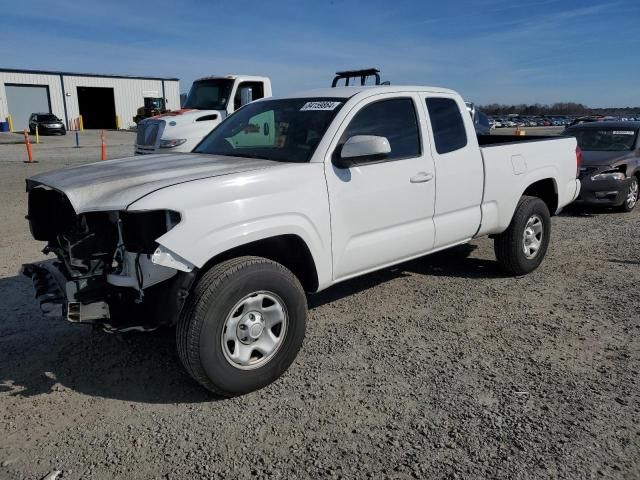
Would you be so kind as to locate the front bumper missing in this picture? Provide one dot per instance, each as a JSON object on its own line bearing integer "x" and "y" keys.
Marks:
{"x": 56, "y": 295}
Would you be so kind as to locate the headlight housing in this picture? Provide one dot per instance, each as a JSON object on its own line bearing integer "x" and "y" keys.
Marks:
{"x": 609, "y": 175}
{"x": 140, "y": 229}
{"x": 172, "y": 143}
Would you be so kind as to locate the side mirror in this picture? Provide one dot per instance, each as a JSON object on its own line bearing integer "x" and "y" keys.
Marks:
{"x": 362, "y": 148}
{"x": 246, "y": 95}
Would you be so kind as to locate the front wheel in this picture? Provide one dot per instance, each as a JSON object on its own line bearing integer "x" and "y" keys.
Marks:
{"x": 631, "y": 198}
{"x": 521, "y": 248}
{"x": 242, "y": 326}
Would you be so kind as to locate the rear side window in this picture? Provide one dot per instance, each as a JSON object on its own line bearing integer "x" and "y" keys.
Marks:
{"x": 394, "y": 119}
{"x": 446, "y": 121}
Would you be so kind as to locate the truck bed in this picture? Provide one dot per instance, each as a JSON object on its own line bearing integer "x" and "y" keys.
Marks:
{"x": 491, "y": 140}
{"x": 512, "y": 163}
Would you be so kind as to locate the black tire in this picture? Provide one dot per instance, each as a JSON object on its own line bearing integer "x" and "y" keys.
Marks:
{"x": 202, "y": 323}
{"x": 509, "y": 246}
{"x": 627, "y": 207}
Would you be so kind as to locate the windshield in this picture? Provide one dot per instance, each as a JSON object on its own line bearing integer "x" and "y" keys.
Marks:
{"x": 282, "y": 130}
{"x": 209, "y": 94}
{"x": 605, "y": 139}
{"x": 48, "y": 117}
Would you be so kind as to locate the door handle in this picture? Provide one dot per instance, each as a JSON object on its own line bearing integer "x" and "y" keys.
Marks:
{"x": 422, "y": 177}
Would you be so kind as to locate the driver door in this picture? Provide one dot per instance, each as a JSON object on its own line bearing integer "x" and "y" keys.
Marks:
{"x": 259, "y": 132}
{"x": 382, "y": 212}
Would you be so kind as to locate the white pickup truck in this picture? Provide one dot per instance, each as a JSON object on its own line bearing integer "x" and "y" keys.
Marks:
{"x": 287, "y": 196}
{"x": 209, "y": 101}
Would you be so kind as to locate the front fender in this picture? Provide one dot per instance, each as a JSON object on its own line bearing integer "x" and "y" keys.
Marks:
{"x": 198, "y": 246}
{"x": 223, "y": 213}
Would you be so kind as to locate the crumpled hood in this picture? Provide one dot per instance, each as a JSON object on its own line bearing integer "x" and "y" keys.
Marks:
{"x": 594, "y": 158}
{"x": 116, "y": 184}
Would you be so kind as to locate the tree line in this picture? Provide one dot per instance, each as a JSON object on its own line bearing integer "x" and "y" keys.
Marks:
{"x": 568, "y": 108}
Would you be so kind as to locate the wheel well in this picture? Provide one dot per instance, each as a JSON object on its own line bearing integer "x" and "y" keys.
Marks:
{"x": 546, "y": 191}
{"x": 288, "y": 250}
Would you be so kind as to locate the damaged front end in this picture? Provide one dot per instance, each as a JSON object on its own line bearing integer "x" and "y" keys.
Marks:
{"x": 109, "y": 269}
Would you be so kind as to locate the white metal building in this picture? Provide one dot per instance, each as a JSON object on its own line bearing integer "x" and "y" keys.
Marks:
{"x": 104, "y": 101}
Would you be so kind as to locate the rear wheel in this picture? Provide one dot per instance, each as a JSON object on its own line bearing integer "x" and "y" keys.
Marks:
{"x": 522, "y": 247}
{"x": 631, "y": 199}
{"x": 242, "y": 326}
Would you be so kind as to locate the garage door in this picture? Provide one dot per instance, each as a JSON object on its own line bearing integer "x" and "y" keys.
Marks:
{"x": 23, "y": 100}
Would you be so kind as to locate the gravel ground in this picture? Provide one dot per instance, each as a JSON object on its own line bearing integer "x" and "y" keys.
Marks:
{"x": 439, "y": 368}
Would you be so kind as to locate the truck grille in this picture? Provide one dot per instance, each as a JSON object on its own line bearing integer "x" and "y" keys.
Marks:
{"x": 148, "y": 133}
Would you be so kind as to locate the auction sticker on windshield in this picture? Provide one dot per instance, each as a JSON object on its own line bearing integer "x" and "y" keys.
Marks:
{"x": 319, "y": 106}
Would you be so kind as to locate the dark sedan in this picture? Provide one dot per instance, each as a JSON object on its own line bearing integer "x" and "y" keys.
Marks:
{"x": 610, "y": 171}
{"x": 47, "y": 123}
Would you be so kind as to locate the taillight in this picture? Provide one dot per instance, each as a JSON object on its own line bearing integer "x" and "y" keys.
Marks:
{"x": 578, "y": 161}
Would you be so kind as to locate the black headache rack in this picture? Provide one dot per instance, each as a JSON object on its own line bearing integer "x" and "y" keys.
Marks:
{"x": 363, "y": 75}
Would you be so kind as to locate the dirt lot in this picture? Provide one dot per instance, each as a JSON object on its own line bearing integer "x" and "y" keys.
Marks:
{"x": 439, "y": 368}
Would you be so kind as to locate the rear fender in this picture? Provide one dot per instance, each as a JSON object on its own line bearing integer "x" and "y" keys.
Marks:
{"x": 498, "y": 211}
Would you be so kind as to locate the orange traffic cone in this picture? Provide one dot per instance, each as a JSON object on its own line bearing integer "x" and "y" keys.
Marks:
{"x": 103, "y": 149}
{"x": 28, "y": 145}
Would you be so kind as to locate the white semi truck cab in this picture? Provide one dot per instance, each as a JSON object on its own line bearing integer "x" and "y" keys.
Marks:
{"x": 210, "y": 100}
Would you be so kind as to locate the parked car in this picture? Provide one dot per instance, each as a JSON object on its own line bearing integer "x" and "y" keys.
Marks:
{"x": 587, "y": 119}
{"x": 287, "y": 195}
{"x": 610, "y": 171}
{"x": 47, "y": 123}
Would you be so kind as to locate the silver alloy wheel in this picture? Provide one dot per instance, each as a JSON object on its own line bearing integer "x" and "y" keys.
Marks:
{"x": 254, "y": 330}
{"x": 532, "y": 236}
{"x": 632, "y": 196}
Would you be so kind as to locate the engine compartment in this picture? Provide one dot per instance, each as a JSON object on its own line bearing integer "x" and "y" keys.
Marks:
{"x": 104, "y": 265}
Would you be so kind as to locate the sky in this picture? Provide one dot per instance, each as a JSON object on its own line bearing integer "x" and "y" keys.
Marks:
{"x": 498, "y": 51}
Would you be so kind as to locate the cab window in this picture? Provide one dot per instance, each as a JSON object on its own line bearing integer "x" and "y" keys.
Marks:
{"x": 394, "y": 119}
